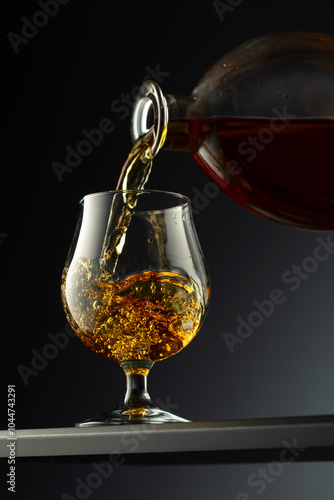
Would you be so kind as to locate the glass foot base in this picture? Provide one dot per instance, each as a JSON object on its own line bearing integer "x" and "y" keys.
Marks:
{"x": 124, "y": 414}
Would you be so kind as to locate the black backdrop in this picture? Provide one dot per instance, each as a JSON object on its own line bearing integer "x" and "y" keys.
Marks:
{"x": 64, "y": 76}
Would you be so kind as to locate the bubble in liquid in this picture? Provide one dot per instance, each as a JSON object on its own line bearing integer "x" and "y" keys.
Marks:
{"x": 97, "y": 306}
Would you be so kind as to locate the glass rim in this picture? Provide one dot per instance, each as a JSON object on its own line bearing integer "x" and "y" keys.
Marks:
{"x": 141, "y": 191}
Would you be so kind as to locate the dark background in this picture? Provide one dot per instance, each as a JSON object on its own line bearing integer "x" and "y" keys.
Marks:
{"x": 63, "y": 81}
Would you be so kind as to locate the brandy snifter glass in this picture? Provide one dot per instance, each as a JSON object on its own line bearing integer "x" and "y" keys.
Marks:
{"x": 135, "y": 288}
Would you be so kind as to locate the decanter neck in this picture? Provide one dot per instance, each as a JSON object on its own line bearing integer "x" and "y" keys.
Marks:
{"x": 167, "y": 116}
{"x": 178, "y": 136}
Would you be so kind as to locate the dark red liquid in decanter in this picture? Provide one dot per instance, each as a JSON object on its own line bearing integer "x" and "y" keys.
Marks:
{"x": 279, "y": 167}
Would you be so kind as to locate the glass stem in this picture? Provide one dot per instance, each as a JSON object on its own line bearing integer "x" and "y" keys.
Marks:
{"x": 136, "y": 383}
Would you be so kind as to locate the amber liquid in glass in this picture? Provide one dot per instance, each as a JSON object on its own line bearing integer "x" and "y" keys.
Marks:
{"x": 148, "y": 316}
